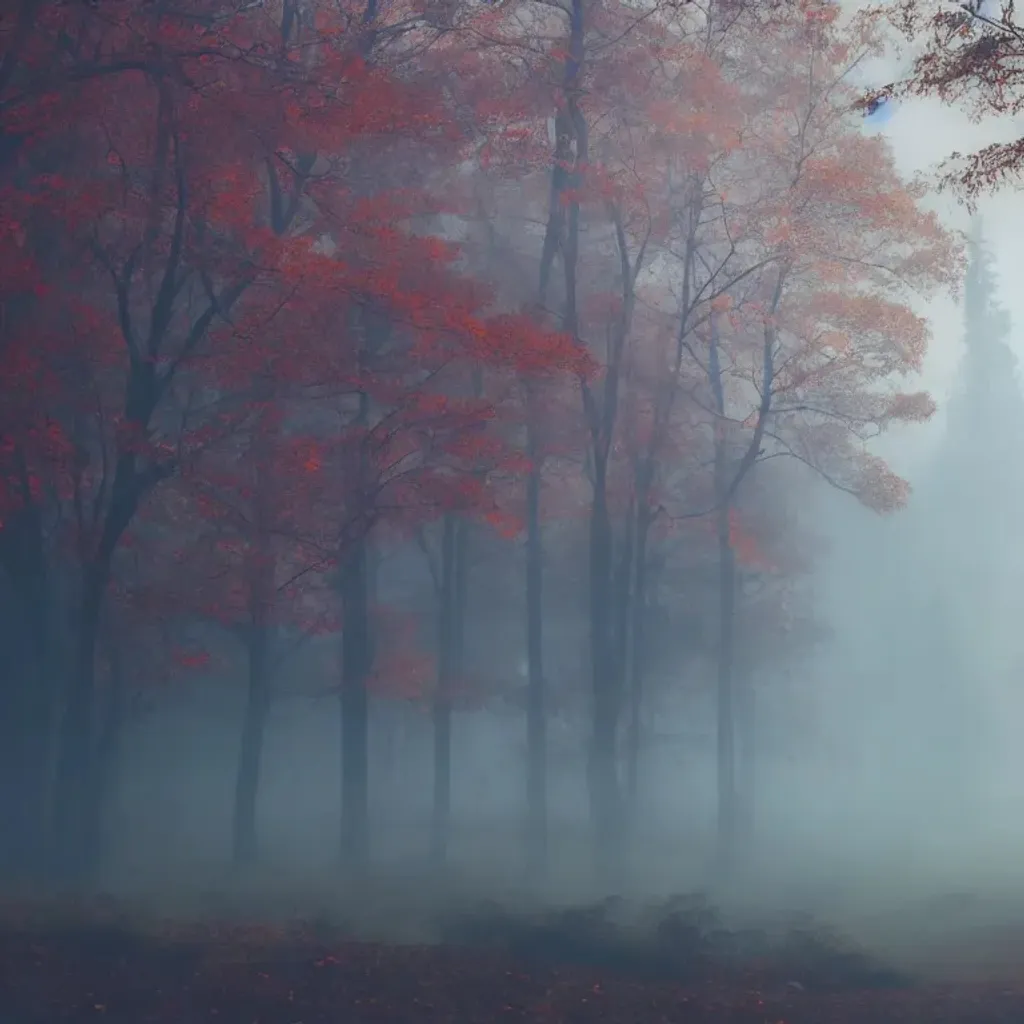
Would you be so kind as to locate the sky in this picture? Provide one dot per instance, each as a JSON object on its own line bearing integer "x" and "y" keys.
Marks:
{"x": 923, "y": 133}
{"x": 901, "y": 594}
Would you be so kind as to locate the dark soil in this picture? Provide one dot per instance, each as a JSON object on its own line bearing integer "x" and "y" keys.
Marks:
{"x": 573, "y": 967}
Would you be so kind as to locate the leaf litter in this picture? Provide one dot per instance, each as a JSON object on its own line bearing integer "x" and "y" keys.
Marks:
{"x": 581, "y": 966}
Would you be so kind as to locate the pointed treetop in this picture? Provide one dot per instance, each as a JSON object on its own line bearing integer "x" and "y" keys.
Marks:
{"x": 986, "y": 399}
{"x": 976, "y": 233}
{"x": 987, "y": 321}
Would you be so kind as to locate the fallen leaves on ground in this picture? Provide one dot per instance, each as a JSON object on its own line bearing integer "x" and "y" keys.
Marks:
{"x": 232, "y": 976}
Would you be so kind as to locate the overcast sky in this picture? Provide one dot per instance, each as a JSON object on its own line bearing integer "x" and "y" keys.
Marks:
{"x": 923, "y": 133}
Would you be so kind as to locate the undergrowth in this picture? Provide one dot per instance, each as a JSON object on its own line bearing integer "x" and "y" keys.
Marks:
{"x": 684, "y": 938}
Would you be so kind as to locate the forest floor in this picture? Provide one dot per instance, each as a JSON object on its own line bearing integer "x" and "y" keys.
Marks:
{"x": 576, "y": 967}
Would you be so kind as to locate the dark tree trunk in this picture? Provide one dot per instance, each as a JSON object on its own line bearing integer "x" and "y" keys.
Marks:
{"x": 257, "y": 636}
{"x": 25, "y": 723}
{"x": 637, "y": 660}
{"x": 726, "y": 746}
{"x": 108, "y": 747}
{"x": 746, "y": 735}
{"x": 536, "y": 710}
{"x": 356, "y": 662}
{"x": 603, "y": 775}
{"x": 26, "y": 704}
{"x": 76, "y": 788}
{"x": 244, "y": 843}
{"x": 440, "y": 826}
{"x": 726, "y": 731}
{"x": 449, "y": 639}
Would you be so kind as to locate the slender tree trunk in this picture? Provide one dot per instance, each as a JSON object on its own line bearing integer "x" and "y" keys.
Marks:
{"x": 603, "y": 775}
{"x": 726, "y": 759}
{"x": 108, "y": 747}
{"x": 726, "y": 732}
{"x": 75, "y": 852}
{"x": 536, "y": 709}
{"x": 637, "y": 660}
{"x": 356, "y": 662}
{"x": 746, "y": 734}
{"x": 26, "y": 705}
{"x": 245, "y": 846}
{"x": 620, "y": 640}
{"x": 440, "y": 826}
{"x": 620, "y": 644}
{"x": 449, "y": 657}
{"x": 75, "y": 855}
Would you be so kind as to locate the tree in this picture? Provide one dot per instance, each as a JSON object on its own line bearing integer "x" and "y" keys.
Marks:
{"x": 34, "y": 456}
{"x": 589, "y": 180}
{"x": 956, "y": 627}
{"x": 737, "y": 267}
{"x": 196, "y": 196}
{"x": 258, "y": 569}
{"x": 128, "y": 205}
{"x": 830, "y": 308}
{"x": 286, "y": 289}
{"x": 966, "y": 55}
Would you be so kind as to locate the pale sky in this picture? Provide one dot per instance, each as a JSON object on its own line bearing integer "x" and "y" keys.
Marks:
{"x": 922, "y": 134}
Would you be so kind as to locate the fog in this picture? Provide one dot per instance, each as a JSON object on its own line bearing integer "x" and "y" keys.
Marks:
{"x": 872, "y": 664}
{"x": 888, "y": 794}
{"x": 887, "y": 771}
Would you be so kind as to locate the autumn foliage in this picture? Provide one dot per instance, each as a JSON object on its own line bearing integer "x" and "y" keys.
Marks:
{"x": 287, "y": 289}
{"x": 966, "y": 55}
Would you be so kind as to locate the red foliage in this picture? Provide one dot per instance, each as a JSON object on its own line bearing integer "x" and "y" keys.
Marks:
{"x": 230, "y": 324}
{"x": 196, "y": 202}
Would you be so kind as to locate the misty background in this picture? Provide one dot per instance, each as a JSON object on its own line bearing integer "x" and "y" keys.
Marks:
{"x": 902, "y": 768}
{"x": 880, "y": 757}
{"x": 889, "y": 769}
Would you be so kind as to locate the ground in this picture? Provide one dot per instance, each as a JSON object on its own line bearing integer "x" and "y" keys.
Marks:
{"x": 97, "y": 968}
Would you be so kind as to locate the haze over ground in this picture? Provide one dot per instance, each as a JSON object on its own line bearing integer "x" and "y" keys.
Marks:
{"x": 946, "y": 551}
{"x": 878, "y": 660}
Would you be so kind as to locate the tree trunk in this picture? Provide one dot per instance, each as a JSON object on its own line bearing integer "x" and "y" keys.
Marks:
{"x": 244, "y": 844}
{"x": 724, "y": 486}
{"x": 356, "y": 662}
{"x": 536, "y": 710}
{"x": 603, "y": 776}
{"x": 637, "y": 660}
{"x": 746, "y": 734}
{"x": 449, "y": 632}
{"x": 75, "y": 855}
{"x": 26, "y": 704}
{"x": 440, "y": 826}
{"x": 75, "y": 808}
{"x": 726, "y": 747}
{"x": 108, "y": 746}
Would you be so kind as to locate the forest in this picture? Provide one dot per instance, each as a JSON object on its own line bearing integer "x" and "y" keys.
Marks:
{"x": 410, "y": 414}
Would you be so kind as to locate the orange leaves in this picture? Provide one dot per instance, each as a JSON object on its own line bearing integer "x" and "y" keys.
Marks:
{"x": 890, "y": 337}
{"x": 600, "y": 184}
{"x": 231, "y": 198}
{"x": 403, "y": 670}
{"x": 878, "y": 486}
{"x": 910, "y": 408}
{"x": 516, "y": 341}
{"x": 777, "y": 232}
{"x": 506, "y": 524}
{"x": 747, "y": 549}
{"x": 312, "y": 461}
{"x": 189, "y": 659}
{"x": 512, "y": 149}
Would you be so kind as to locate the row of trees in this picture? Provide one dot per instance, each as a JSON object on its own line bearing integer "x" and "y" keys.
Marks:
{"x": 287, "y": 286}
